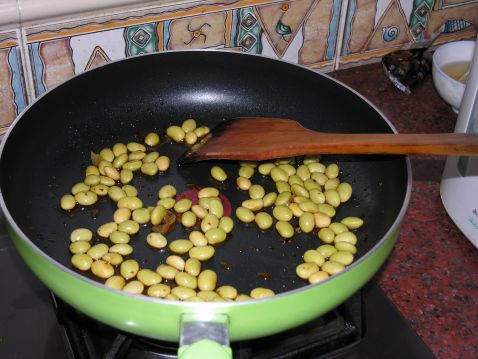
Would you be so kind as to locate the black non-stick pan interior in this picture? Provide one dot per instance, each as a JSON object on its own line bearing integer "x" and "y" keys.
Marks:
{"x": 49, "y": 148}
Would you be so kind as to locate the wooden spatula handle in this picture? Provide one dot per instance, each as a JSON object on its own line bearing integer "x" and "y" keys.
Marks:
{"x": 460, "y": 144}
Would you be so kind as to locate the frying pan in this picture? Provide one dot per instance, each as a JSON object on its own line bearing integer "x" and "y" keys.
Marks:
{"x": 48, "y": 147}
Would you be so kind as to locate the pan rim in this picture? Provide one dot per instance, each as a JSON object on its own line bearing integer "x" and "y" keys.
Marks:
{"x": 395, "y": 225}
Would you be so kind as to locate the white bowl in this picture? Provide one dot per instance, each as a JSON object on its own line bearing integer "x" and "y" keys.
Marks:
{"x": 450, "y": 89}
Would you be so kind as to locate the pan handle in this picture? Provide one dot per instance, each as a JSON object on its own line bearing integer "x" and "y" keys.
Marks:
{"x": 204, "y": 336}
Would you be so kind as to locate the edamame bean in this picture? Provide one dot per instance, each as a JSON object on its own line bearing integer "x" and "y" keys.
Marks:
{"x": 338, "y": 227}
{"x": 106, "y": 229}
{"x": 316, "y": 167}
{"x": 296, "y": 211}
{"x": 183, "y": 205}
{"x": 193, "y": 266}
{"x": 119, "y": 237}
{"x": 149, "y": 169}
{"x": 218, "y": 174}
{"x": 176, "y": 133}
{"x": 152, "y": 139}
{"x": 119, "y": 161}
{"x": 282, "y": 186}
{"x": 92, "y": 180}
{"x": 81, "y": 234}
{"x": 227, "y": 291}
{"x": 189, "y": 125}
{"x": 188, "y": 219}
{"x": 97, "y": 251}
{"x": 282, "y": 213}
{"x": 199, "y": 211}
{"x": 157, "y": 215}
{"x": 67, "y": 202}
{"x": 163, "y": 163}
{"x": 332, "y": 171}
{"x": 207, "y": 280}
{"x": 130, "y": 202}
{"x": 198, "y": 238}
{"x": 348, "y": 237}
{"x": 332, "y": 197}
{"x": 246, "y": 171}
{"x": 180, "y": 246}
{"x": 102, "y": 269}
{"x": 332, "y": 267}
{"x": 278, "y": 174}
{"x": 116, "y": 193}
{"x": 265, "y": 168}
{"x": 107, "y": 181}
{"x": 343, "y": 257}
{"x": 92, "y": 170}
{"x": 299, "y": 191}
{"x": 305, "y": 270}
{"x": 128, "y": 226}
{"x": 263, "y": 220}
{"x": 135, "y": 146}
{"x": 310, "y": 184}
{"x": 215, "y": 236}
{"x": 331, "y": 183}
{"x": 133, "y": 165}
{"x": 253, "y": 204}
{"x": 156, "y": 240}
{"x": 202, "y": 131}
{"x": 148, "y": 277}
{"x": 287, "y": 168}
{"x": 269, "y": 199}
{"x": 327, "y": 209}
{"x": 202, "y": 253}
{"x": 245, "y": 215}
{"x": 86, "y": 198}
{"x": 260, "y": 292}
{"x": 294, "y": 179}
{"x": 134, "y": 287}
{"x": 167, "y": 191}
{"x": 216, "y": 208}
{"x": 81, "y": 261}
{"x": 119, "y": 148}
{"x": 100, "y": 189}
{"x": 121, "y": 215}
{"x": 243, "y": 183}
{"x": 346, "y": 247}
{"x": 159, "y": 290}
{"x": 313, "y": 256}
{"x": 113, "y": 258}
{"x": 130, "y": 190}
{"x": 242, "y": 297}
{"x": 318, "y": 277}
{"x": 79, "y": 247}
{"x": 317, "y": 196}
{"x": 283, "y": 198}
{"x": 256, "y": 191}
{"x": 226, "y": 224}
{"x": 345, "y": 191}
{"x": 129, "y": 268}
{"x": 166, "y": 271}
{"x": 151, "y": 157}
{"x": 285, "y": 229}
{"x": 352, "y": 222}
{"x": 321, "y": 220}
{"x": 326, "y": 250}
{"x": 115, "y": 282}
{"x": 326, "y": 235}
{"x": 308, "y": 206}
{"x": 112, "y": 173}
{"x": 190, "y": 138}
{"x": 182, "y": 292}
{"x": 176, "y": 262}
{"x": 310, "y": 159}
{"x": 307, "y": 222}
{"x": 167, "y": 203}
{"x": 207, "y": 295}
{"x": 209, "y": 222}
{"x": 303, "y": 172}
{"x": 208, "y": 192}
{"x": 79, "y": 187}
{"x": 102, "y": 165}
{"x": 121, "y": 248}
{"x": 186, "y": 280}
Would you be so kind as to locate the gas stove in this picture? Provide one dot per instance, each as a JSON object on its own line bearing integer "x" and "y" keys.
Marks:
{"x": 35, "y": 324}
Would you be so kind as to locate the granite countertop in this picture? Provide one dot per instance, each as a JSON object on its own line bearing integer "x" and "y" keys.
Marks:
{"x": 432, "y": 273}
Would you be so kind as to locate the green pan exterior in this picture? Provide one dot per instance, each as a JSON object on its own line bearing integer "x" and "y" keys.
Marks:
{"x": 160, "y": 319}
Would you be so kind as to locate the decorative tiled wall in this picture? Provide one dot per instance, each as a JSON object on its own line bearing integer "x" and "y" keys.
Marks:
{"x": 321, "y": 34}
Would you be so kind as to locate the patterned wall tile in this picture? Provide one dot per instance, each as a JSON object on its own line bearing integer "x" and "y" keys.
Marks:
{"x": 13, "y": 93}
{"x": 376, "y": 27}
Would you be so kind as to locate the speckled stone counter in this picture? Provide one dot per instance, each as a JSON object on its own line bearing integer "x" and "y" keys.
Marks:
{"x": 432, "y": 274}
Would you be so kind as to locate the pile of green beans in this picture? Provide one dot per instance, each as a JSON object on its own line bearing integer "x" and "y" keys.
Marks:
{"x": 107, "y": 253}
{"x": 307, "y": 194}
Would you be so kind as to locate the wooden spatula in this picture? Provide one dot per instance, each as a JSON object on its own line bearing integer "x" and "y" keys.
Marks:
{"x": 254, "y": 138}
